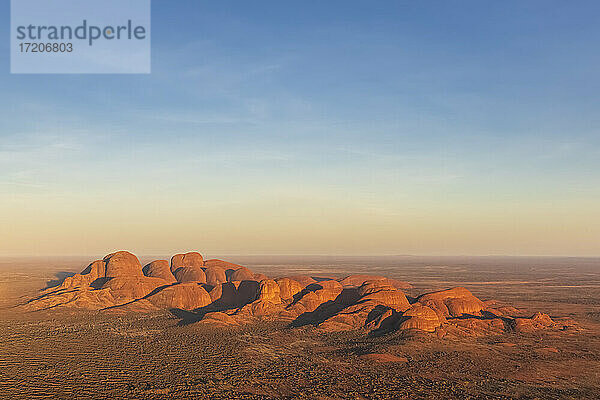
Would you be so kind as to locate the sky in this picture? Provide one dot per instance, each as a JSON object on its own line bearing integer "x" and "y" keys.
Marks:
{"x": 311, "y": 127}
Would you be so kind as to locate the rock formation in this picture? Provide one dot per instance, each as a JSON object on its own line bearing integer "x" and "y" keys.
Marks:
{"x": 240, "y": 274}
{"x": 268, "y": 290}
{"x": 94, "y": 271}
{"x": 226, "y": 294}
{"x": 225, "y": 265}
{"x": 160, "y": 269}
{"x": 375, "y": 302}
{"x": 185, "y": 296}
{"x": 122, "y": 263}
{"x": 420, "y": 318}
{"x": 303, "y": 280}
{"x": 215, "y": 275}
{"x": 131, "y": 288}
{"x": 191, "y": 259}
{"x": 288, "y": 288}
{"x": 454, "y": 302}
{"x": 536, "y": 322}
{"x": 190, "y": 274}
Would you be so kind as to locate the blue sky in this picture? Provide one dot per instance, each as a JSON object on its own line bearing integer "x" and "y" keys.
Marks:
{"x": 468, "y": 119}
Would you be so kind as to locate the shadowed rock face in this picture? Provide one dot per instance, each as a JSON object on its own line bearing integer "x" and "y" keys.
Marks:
{"x": 247, "y": 291}
{"x": 234, "y": 294}
{"x": 378, "y": 304}
{"x": 119, "y": 264}
{"x": 321, "y": 295}
{"x": 96, "y": 270}
{"x": 226, "y": 294}
{"x": 241, "y": 274}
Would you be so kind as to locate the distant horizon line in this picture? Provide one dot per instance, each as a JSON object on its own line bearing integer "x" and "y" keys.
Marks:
{"x": 356, "y": 255}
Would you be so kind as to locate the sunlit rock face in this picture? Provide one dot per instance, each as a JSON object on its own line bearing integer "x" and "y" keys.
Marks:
{"x": 288, "y": 288}
{"x": 122, "y": 263}
{"x": 421, "y": 318}
{"x": 159, "y": 269}
{"x": 454, "y": 302}
{"x": 381, "y": 292}
{"x": 215, "y": 275}
{"x": 191, "y": 259}
{"x": 268, "y": 290}
{"x": 375, "y": 303}
{"x": 221, "y": 293}
{"x": 185, "y": 296}
{"x": 190, "y": 274}
{"x": 131, "y": 288}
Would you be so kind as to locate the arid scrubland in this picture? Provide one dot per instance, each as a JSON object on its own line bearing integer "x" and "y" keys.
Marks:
{"x": 522, "y": 331}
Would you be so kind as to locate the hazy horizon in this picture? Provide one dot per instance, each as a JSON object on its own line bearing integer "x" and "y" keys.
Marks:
{"x": 317, "y": 128}
{"x": 235, "y": 257}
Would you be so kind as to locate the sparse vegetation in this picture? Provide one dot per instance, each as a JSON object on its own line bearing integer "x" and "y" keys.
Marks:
{"x": 90, "y": 354}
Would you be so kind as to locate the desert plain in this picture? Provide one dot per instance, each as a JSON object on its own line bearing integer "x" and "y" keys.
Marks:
{"x": 259, "y": 350}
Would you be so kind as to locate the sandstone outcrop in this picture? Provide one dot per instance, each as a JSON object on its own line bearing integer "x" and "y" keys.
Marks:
{"x": 315, "y": 295}
{"x": 122, "y": 263}
{"x": 536, "y": 322}
{"x": 225, "y": 265}
{"x": 259, "y": 308}
{"x": 190, "y": 274}
{"x": 191, "y": 259}
{"x": 288, "y": 288}
{"x": 267, "y": 301}
{"x": 377, "y": 307}
{"x": 234, "y": 294}
{"x": 215, "y": 275}
{"x": 226, "y": 294}
{"x": 303, "y": 280}
{"x": 160, "y": 269}
{"x": 241, "y": 274}
{"x": 219, "y": 318}
{"x": 96, "y": 270}
{"x": 454, "y": 302}
{"x": 421, "y": 318}
{"x": 259, "y": 277}
{"x": 268, "y": 290}
{"x": 83, "y": 298}
{"x": 186, "y": 296}
{"x": 130, "y": 288}
{"x": 379, "y": 292}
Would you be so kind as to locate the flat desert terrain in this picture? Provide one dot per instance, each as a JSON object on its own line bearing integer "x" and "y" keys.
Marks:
{"x": 82, "y": 354}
